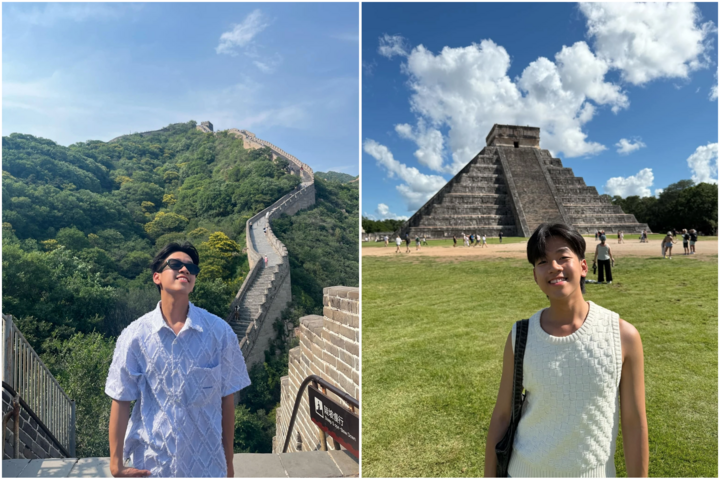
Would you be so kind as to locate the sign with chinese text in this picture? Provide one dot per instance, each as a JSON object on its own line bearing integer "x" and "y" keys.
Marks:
{"x": 336, "y": 420}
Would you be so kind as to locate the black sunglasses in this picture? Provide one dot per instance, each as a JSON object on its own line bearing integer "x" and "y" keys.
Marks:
{"x": 176, "y": 265}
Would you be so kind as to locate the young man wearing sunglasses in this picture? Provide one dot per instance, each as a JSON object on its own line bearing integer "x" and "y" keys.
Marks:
{"x": 181, "y": 365}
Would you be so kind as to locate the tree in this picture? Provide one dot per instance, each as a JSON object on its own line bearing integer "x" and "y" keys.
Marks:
{"x": 81, "y": 364}
{"x": 165, "y": 223}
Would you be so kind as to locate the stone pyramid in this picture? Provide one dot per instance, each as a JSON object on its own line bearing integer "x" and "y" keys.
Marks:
{"x": 513, "y": 186}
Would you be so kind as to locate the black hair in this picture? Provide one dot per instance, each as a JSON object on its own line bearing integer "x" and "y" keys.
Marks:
{"x": 170, "y": 248}
{"x": 537, "y": 244}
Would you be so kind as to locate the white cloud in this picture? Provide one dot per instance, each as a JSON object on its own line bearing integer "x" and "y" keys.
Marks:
{"x": 637, "y": 185}
{"x": 468, "y": 90}
{"x": 704, "y": 164}
{"x": 392, "y": 45}
{"x": 658, "y": 192}
{"x": 383, "y": 213}
{"x": 713, "y": 89}
{"x": 242, "y": 34}
{"x": 625, "y": 146}
{"x": 418, "y": 187}
{"x": 429, "y": 141}
{"x": 646, "y": 41}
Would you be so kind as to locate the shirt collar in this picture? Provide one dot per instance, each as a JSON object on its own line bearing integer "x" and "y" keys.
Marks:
{"x": 195, "y": 319}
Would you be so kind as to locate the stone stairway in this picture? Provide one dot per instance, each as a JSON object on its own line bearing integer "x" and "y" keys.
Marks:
{"x": 298, "y": 464}
{"x": 255, "y": 296}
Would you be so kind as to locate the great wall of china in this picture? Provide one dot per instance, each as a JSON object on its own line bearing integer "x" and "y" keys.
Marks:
{"x": 329, "y": 347}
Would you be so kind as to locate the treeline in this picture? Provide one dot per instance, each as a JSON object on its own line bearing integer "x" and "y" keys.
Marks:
{"x": 81, "y": 224}
{"x": 372, "y": 226}
{"x": 680, "y": 205}
{"x": 335, "y": 176}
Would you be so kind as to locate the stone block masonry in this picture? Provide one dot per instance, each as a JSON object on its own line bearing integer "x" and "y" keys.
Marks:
{"x": 512, "y": 186}
{"x": 35, "y": 442}
{"x": 330, "y": 348}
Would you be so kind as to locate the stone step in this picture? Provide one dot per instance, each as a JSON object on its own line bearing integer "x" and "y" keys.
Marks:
{"x": 444, "y": 232}
{"x": 480, "y": 180}
{"x": 296, "y": 464}
{"x": 485, "y": 160}
{"x": 471, "y": 221}
{"x": 571, "y": 181}
{"x": 581, "y": 210}
{"x": 494, "y": 189}
{"x": 611, "y": 228}
{"x": 604, "y": 219}
{"x": 576, "y": 190}
{"x": 473, "y": 200}
{"x": 470, "y": 209}
{"x": 581, "y": 200}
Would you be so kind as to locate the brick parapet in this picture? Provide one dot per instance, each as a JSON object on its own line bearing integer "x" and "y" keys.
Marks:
{"x": 34, "y": 442}
{"x": 329, "y": 348}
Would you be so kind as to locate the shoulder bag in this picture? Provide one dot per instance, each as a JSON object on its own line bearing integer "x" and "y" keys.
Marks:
{"x": 503, "y": 449}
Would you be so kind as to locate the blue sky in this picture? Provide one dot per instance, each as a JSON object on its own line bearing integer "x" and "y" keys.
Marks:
{"x": 287, "y": 72}
{"x": 625, "y": 94}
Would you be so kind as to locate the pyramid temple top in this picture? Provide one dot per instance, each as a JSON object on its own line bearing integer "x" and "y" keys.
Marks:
{"x": 514, "y": 136}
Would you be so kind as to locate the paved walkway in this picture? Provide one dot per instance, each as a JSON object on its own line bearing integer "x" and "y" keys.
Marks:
{"x": 297, "y": 464}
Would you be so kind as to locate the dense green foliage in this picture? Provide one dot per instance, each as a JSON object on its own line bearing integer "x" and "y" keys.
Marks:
{"x": 372, "y": 226}
{"x": 82, "y": 223}
{"x": 335, "y": 176}
{"x": 433, "y": 348}
{"x": 680, "y": 205}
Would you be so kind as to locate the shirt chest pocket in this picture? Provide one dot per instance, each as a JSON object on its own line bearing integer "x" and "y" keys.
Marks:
{"x": 202, "y": 386}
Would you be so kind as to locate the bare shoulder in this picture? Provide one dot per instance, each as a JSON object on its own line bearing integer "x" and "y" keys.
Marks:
{"x": 630, "y": 340}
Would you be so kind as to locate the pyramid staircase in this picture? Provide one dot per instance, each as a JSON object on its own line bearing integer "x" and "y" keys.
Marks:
{"x": 512, "y": 187}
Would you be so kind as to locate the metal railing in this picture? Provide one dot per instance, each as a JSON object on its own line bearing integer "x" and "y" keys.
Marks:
{"x": 24, "y": 371}
{"x": 317, "y": 380}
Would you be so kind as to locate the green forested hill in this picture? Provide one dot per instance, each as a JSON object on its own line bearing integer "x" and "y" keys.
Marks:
{"x": 81, "y": 224}
{"x": 335, "y": 176}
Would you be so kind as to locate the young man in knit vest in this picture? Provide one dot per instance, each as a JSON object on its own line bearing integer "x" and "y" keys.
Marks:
{"x": 582, "y": 371}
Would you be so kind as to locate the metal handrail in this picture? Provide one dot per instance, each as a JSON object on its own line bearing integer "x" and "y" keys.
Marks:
{"x": 24, "y": 371}
{"x": 314, "y": 378}
{"x": 17, "y": 399}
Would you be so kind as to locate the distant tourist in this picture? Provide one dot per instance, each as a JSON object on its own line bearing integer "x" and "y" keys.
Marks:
{"x": 668, "y": 243}
{"x": 175, "y": 340}
{"x": 407, "y": 243}
{"x": 575, "y": 354}
{"x": 622, "y": 237}
{"x": 597, "y": 233}
{"x": 500, "y": 235}
{"x": 472, "y": 238}
{"x": 693, "y": 240}
{"x": 424, "y": 241}
{"x": 266, "y": 261}
{"x": 686, "y": 240}
{"x": 603, "y": 258}
{"x": 250, "y": 224}
{"x": 265, "y": 229}
{"x": 387, "y": 240}
{"x": 398, "y": 242}
{"x": 454, "y": 241}
{"x": 417, "y": 243}
{"x": 484, "y": 240}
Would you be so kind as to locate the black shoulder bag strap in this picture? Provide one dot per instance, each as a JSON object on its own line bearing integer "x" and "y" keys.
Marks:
{"x": 504, "y": 447}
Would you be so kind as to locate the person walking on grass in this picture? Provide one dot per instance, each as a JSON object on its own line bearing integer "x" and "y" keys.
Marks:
{"x": 182, "y": 366}
{"x": 387, "y": 240}
{"x": 686, "y": 239}
{"x": 407, "y": 242}
{"x": 500, "y": 235}
{"x": 604, "y": 259}
{"x": 484, "y": 240}
{"x": 454, "y": 241}
{"x": 693, "y": 240}
{"x": 398, "y": 242}
{"x": 582, "y": 370}
{"x": 668, "y": 243}
{"x": 622, "y": 237}
{"x": 417, "y": 243}
{"x": 424, "y": 241}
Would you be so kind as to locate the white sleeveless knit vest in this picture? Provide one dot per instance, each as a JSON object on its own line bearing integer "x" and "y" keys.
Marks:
{"x": 570, "y": 418}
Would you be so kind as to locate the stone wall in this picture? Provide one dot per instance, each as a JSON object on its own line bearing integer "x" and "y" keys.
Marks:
{"x": 253, "y": 142}
{"x": 277, "y": 294}
{"x": 330, "y": 348}
{"x": 35, "y": 442}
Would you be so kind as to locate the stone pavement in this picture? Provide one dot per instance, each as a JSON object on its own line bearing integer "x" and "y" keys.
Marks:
{"x": 298, "y": 464}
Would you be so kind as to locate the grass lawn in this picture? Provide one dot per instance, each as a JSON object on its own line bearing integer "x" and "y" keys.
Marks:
{"x": 433, "y": 331}
{"x": 612, "y": 237}
{"x": 444, "y": 243}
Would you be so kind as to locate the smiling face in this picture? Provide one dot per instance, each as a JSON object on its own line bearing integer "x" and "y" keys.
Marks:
{"x": 176, "y": 282}
{"x": 558, "y": 273}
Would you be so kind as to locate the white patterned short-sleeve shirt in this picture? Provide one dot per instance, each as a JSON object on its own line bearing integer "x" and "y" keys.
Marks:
{"x": 175, "y": 429}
